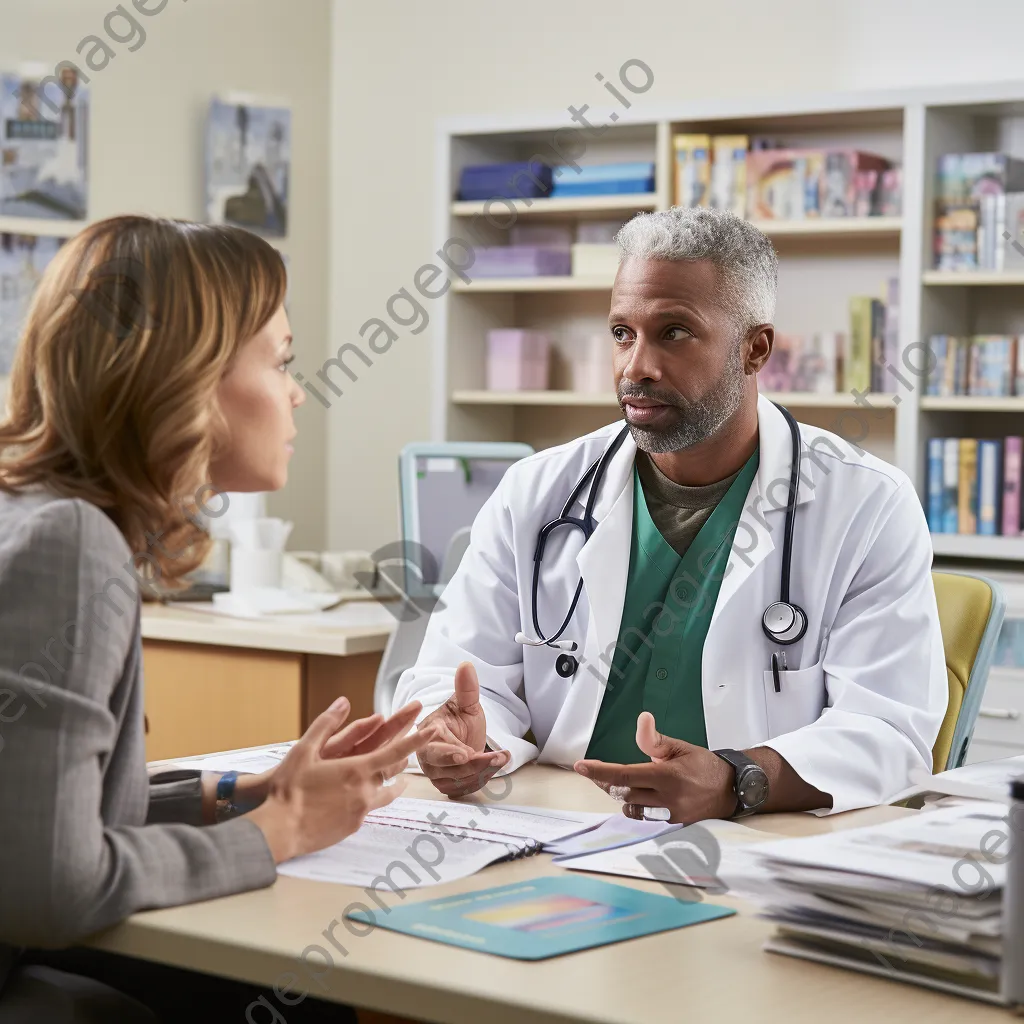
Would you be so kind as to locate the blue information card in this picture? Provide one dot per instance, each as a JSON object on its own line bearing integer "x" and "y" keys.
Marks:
{"x": 543, "y": 917}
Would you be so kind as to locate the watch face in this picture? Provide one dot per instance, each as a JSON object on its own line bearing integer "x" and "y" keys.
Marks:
{"x": 752, "y": 788}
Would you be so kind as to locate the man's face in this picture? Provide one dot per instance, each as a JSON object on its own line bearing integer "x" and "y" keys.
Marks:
{"x": 681, "y": 364}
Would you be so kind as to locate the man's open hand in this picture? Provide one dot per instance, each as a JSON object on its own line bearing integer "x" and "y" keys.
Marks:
{"x": 693, "y": 783}
{"x": 456, "y": 761}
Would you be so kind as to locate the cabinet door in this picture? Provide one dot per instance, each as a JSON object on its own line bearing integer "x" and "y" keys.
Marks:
{"x": 200, "y": 698}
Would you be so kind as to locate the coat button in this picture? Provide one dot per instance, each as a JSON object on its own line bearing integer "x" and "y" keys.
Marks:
{"x": 661, "y": 673}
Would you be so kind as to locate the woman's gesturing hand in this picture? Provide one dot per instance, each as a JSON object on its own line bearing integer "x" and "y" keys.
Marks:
{"x": 333, "y": 777}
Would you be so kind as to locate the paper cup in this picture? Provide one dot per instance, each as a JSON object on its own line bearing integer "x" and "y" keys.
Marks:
{"x": 251, "y": 567}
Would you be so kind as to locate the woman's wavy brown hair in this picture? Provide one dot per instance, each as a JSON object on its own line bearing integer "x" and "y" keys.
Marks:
{"x": 113, "y": 390}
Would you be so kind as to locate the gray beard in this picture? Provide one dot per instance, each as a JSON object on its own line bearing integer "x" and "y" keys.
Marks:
{"x": 700, "y": 420}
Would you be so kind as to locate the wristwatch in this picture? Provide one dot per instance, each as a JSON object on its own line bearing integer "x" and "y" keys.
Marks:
{"x": 228, "y": 804}
{"x": 751, "y": 782}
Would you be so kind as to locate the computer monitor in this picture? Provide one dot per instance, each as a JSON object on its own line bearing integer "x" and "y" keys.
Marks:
{"x": 443, "y": 485}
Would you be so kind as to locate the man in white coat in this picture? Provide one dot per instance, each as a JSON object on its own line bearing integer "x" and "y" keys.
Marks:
{"x": 663, "y": 675}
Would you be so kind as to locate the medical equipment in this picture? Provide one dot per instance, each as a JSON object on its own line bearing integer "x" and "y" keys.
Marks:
{"x": 783, "y": 621}
{"x": 442, "y": 487}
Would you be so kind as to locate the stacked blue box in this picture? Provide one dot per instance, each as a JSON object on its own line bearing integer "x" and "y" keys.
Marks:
{"x": 528, "y": 179}
{"x": 604, "y": 179}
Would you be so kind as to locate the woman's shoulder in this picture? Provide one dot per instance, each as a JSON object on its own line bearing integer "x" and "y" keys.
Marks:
{"x": 48, "y": 528}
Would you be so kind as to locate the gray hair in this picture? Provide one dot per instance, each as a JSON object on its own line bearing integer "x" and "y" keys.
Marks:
{"x": 744, "y": 256}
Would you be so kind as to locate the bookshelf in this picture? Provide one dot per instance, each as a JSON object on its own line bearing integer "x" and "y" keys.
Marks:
{"x": 570, "y": 205}
{"x": 39, "y": 226}
{"x": 972, "y": 278}
{"x": 566, "y": 283}
{"x": 822, "y": 262}
{"x": 791, "y": 399}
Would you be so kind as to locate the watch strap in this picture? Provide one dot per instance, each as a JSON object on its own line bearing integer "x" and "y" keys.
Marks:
{"x": 740, "y": 763}
{"x": 226, "y": 807}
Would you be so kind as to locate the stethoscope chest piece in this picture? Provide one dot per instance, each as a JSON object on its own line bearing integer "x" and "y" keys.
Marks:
{"x": 566, "y": 665}
{"x": 783, "y": 622}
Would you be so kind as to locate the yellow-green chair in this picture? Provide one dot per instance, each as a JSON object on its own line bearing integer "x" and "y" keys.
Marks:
{"x": 971, "y": 610}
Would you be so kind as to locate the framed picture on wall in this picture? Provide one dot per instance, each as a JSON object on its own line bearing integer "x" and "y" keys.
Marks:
{"x": 248, "y": 165}
{"x": 23, "y": 258}
{"x": 44, "y": 144}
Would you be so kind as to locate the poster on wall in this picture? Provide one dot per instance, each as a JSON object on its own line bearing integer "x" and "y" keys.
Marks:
{"x": 44, "y": 144}
{"x": 23, "y": 258}
{"x": 248, "y": 163}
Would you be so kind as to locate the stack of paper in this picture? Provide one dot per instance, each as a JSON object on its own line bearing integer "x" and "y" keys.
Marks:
{"x": 917, "y": 899}
{"x": 988, "y": 780}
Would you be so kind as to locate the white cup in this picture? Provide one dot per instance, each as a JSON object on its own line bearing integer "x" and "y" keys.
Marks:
{"x": 252, "y": 567}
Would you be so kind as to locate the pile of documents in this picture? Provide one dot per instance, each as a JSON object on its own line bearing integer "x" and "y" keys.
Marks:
{"x": 918, "y": 898}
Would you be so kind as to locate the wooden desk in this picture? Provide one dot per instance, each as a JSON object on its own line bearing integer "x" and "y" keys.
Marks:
{"x": 216, "y": 683}
{"x": 709, "y": 972}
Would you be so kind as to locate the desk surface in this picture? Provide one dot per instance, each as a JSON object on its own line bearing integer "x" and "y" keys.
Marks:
{"x": 352, "y": 628}
{"x": 712, "y": 971}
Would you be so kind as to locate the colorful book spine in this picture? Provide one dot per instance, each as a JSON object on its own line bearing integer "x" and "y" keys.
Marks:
{"x": 938, "y": 348}
{"x": 891, "y": 343}
{"x": 858, "y": 362}
{"x": 967, "y": 491}
{"x": 950, "y": 484}
{"x": 1011, "y": 486}
{"x": 935, "y": 446}
{"x": 989, "y": 460}
{"x": 693, "y": 169}
{"x": 729, "y": 173}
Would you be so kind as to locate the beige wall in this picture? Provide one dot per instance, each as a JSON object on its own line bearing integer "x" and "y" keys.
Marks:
{"x": 401, "y": 65}
{"x": 148, "y": 109}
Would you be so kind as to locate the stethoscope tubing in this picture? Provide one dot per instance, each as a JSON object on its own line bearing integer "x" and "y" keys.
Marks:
{"x": 596, "y": 473}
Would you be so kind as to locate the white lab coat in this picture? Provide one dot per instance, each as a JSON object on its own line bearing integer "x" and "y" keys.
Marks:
{"x": 865, "y": 692}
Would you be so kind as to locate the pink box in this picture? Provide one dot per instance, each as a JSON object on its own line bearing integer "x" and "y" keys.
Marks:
{"x": 517, "y": 360}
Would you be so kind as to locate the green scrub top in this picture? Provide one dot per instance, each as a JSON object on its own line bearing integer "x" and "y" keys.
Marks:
{"x": 666, "y": 613}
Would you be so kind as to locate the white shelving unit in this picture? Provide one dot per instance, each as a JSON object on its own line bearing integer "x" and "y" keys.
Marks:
{"x": 39, "y": 226}
{"x": 822, "y": 263}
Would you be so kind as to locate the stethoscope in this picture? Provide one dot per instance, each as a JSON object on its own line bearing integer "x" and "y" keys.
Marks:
{"x": 783, "y": 622}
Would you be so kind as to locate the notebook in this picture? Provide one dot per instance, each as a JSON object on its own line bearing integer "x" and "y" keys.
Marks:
{"x": 542, "y": 918}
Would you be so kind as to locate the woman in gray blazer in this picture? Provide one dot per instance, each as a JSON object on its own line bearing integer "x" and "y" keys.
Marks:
{"x": 152, "y": 373}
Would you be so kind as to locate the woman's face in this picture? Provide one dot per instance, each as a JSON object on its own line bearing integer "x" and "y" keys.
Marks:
{"x": 257, "y": 396}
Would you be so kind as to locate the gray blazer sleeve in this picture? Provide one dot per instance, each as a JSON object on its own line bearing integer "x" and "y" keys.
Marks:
{"x": 76, "y": 854}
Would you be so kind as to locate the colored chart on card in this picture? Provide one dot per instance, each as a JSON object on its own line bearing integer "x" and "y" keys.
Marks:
{"x": 542, "y": 918}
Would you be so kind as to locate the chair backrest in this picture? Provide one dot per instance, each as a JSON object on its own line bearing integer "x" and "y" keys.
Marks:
{"x": 401, "y": 652}
{"x": 971, "y": 610}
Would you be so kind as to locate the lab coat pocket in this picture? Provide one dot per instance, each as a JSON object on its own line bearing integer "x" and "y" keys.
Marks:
{"x": 800, "y": 700}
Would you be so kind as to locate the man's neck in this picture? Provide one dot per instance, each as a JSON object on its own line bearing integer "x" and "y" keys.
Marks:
{"x": 717, "y": 458}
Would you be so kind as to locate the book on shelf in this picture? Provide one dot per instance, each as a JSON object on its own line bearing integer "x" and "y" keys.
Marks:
{"x": 729, "y": 173}
{"x": 803, "y": 363}
{"x": 794, "y": 184}
{"x": 603, "y": 179}
{"x": 525, "y": 179}
{"x": 988, "y": 486}
{"x": 977, "y": 204}
{"x": 974, "y": 486}
{"x": 861, "y": 368}
{"x": 983, "y": 365}
{"x": 934, "y": 509}
{"x": 1011, "y": 486}
{"x": 766, "y": 181}
{"x": 693, "y": 169}
{"x": 950, "y": 484}
{"x": 967, "y": 504}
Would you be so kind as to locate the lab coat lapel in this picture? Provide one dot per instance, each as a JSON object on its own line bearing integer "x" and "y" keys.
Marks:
{"x": 604, "y": 565}
{"x": 764, "y": 511}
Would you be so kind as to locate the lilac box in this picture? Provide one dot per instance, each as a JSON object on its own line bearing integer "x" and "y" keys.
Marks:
{"x": 517, "y": 360}
{"x": 522, "y": 261}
